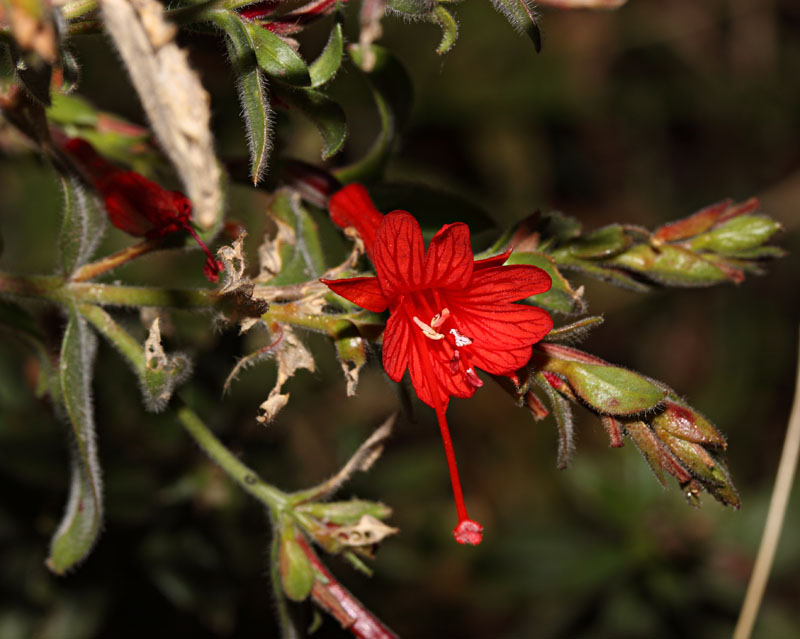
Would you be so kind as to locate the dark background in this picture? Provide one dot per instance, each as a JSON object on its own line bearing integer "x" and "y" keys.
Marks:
{"x": 642, "y": 115}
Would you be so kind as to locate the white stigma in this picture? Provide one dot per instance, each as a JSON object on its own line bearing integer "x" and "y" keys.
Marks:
{"x": 461, "y": 340}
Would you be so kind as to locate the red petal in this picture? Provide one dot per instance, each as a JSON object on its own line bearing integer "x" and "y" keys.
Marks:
{"x": 399, "y": 254}
{"x": 495, "y": 260}
{"x": 500, "y": 362}
{"x": 500, "y": 327}
{"x": 363, "y": 291}
{"x": 448, "y": 262}
{"x": 397, "y": 340}
{"x": 352, "y": 206}
{"x": 505, "y": 284}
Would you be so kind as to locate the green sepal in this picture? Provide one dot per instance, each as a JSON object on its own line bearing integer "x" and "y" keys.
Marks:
{"x": 609, "y": 389}
{"x": 739, "y": 234}
{"x": 671, "y": 265}
{"x": 561, "y": 297}
{"x": 296, "y": 570}
{"x": 601, "y": 243}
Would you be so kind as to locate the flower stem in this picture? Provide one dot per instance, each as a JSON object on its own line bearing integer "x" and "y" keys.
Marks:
{"x": 452, "y": 466}
{"x": 90, "y": 271}
{"x": 774, "y": 522}
{"x": 247, "y": 478}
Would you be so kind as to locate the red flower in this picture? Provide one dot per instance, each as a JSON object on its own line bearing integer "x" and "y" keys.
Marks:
{"x": 449, "y": 316}
{"x": 137, "y": 205}
{"x": 352, "y": 206}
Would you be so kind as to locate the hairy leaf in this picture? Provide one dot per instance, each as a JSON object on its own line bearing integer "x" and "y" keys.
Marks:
{"x": 81, "y": 524}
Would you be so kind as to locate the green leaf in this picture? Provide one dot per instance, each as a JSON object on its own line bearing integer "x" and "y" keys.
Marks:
{"x": 252, "y": 92}
{"x": 742, "y": 233}
{"x": 609, "y": 389}
{"x": 393, "y": 94}
{"x": 344, "y": 512}
{"x": 522, "y": 16}
{"x": 352, "y": 352}
{"x": 329, "y": 61}
{"x": 601, "y": 243}
{"x": 557, "y": 228}
{"x": 276, "y": 58}
{"x": 295, "y": 252}
{"x": 81, "y": 524}
{"x": 81, "y": 227}
{"x": 416, "y": 8}
{"x": 162, "y": 373}
{"x": 561, "y": 297}
{"x": 447, "y": 22}
{"x": 326, "y": 115}
{"x": 671, "y": 265}
{"x": 72, "y": 109}
{"x": 297, "y": 573}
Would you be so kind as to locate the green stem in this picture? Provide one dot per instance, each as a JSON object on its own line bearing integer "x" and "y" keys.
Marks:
{"x": 56, "y": 289}
{"x": 118, "y": 336}
{"x": 247, "y": 478}
{"x": 78, "y": 8}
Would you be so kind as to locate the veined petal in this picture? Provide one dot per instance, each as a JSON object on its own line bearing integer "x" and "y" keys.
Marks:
{"x": 501, "y": 326}
{"x": 500, "y": 362}
{"x": 500, "y": 284}
{"x": 352, "y": 206}
{"x": 397, "y": 342}
{"x": 364, "y": 291}
{"x": 495, "y": 260}
{"x": 448, "y": 262}
{"x": 399, "y": 254}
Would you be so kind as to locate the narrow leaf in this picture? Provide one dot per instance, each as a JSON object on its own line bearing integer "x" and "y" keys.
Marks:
{"x": 81, "y": 227}
{"x": 276, "y": 58}
{"x": 252, "y": 92}
{"x": 449, "y": 26}
{"x": 393, "y": 94}
{"x": 329, "y": 61}
{"x": 81, "y": 523}
{"x": 326, "y": 115}
{"x": 564, "y": 422}
{"x": 521, "y": 15}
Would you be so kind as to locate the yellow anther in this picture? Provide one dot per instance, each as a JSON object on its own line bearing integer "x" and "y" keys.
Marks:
{"x": 427, "y": 331}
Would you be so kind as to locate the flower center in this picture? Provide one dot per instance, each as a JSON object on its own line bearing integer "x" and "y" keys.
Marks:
{"x": 451, "y": 344}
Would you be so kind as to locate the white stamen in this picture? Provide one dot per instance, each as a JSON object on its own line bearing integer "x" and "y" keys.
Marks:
{"x": 461, "y": 340}
{"x": 427, "y": 331}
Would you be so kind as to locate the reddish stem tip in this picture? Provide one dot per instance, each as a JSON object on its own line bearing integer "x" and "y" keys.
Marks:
{"x": 468, "y": 532}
